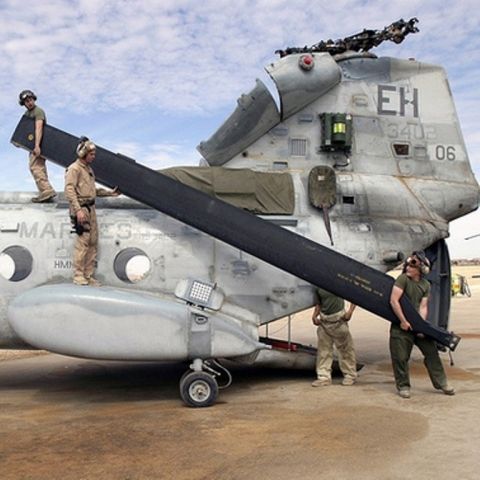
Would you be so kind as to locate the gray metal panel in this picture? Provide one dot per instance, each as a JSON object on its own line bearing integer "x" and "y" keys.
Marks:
{"x": 440, "y": 279}
{"x": 254, "y": 116}
{"x": 364, "y": 68}
{"x": 298, "y": 87}
{"x": 199, "y": 336}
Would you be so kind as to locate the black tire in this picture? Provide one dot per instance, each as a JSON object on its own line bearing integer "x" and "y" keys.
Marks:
{"x": 182, "y": 378}
{"x": 198, "y": 389}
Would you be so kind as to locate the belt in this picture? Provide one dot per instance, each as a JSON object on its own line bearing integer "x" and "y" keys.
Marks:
{"x": 334, "y": 317}
{"x": 88, "y": 203}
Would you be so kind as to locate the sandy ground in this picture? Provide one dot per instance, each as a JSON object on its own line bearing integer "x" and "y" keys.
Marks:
{"x": 64, "y": 418}
{"x": 17, "y": 354}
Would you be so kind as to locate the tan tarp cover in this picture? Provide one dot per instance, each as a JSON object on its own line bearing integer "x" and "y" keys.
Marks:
{"x": 258, "y": 192}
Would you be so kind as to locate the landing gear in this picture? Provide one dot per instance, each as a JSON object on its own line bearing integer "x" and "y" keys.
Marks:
{"x": 199, "y": 387}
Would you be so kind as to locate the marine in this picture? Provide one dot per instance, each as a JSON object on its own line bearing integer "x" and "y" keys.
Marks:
{"x": 81, "y": 192}
{"x": 36, "y": 161}
{"x": 331, "y": 318}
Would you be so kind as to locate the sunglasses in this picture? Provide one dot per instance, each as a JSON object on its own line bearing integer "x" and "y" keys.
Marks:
{"x": 413, "y": 263}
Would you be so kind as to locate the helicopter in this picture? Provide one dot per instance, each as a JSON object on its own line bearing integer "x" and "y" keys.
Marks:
{"x": 363, "y": 163}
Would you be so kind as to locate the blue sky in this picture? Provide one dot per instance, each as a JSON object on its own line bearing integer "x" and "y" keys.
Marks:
{"x": 151, "y": 79}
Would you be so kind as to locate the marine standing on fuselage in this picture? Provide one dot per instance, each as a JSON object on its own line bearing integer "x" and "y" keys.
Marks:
{"x": 36, "y": 162}
{"x": 80, "y": 191}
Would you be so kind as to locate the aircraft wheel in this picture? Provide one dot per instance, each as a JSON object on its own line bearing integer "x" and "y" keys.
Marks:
{"x": 182, "y": 378}
{"x": 198, "y": 389}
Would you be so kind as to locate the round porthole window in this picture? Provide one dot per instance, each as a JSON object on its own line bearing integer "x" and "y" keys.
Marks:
{"x": 132, "y": 265}
{"x": 15, "y": 263}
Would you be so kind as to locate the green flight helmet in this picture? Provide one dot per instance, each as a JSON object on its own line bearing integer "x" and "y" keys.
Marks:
{"x": 24, "y": 94}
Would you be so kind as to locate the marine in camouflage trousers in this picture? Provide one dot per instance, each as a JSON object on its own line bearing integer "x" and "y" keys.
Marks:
{"x": 401, "y": 344}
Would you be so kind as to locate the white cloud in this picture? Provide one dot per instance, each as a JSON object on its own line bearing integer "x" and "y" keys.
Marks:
{"x": 158, "y": 156}
{"x": 183, "y": 55}
{"x": 184, "y": 59}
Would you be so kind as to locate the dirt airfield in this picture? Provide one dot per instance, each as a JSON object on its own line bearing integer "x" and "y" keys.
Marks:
{"x": 64, "y": 418}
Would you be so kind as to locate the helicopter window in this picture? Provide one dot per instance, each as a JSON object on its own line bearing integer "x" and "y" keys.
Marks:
{"x": 15, "y": 263}
{"x": 298, "y": 147}
{"x": 401, "y": 149}
{"x": 349, "y": 200}
{"x": 132, "y": 265}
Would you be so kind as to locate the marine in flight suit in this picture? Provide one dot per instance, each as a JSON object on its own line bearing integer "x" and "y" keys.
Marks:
{"x": 81, "y": 192}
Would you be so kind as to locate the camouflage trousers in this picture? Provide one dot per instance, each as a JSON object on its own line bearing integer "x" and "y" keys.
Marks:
{"x": 85, "y": 251}
{"x": 38, "y": 170}
{"x": 401, "y": 344}
{"x": 334, "y": 331}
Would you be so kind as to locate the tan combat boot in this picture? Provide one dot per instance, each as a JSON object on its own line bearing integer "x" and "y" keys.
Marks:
{"x": 45, "y": 197}
{"x": 322, "y": 382}
{"x": 80, "y": 280}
